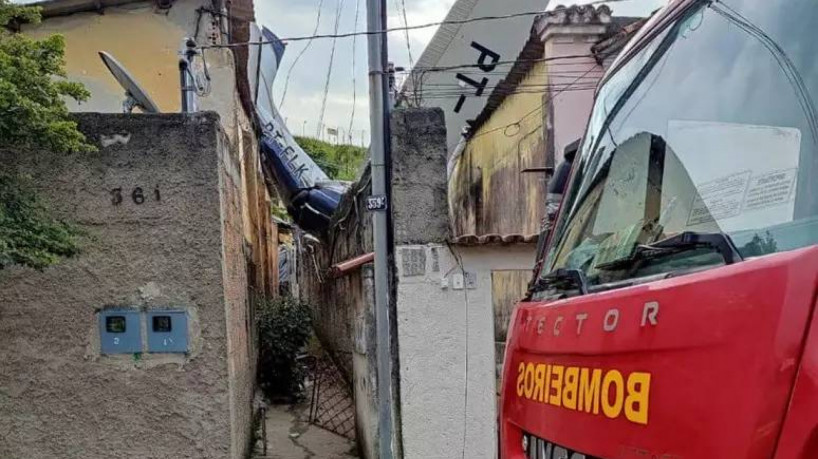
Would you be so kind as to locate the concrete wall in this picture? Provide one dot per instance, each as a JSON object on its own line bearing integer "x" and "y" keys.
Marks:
{"x": 58, "y": 396}
{"x": 444, "y": 310}
{"x": 444, "y": 325}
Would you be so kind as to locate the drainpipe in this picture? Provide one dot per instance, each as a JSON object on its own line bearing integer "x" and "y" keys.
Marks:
{"x": 186, "y": 79}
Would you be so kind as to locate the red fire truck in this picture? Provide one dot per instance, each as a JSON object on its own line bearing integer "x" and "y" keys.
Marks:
{"x": 673, "y": 314}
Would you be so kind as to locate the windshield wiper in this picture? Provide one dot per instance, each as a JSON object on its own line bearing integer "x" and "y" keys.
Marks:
{"x": 564, "y": 279}
{"x": 683, "y": 242}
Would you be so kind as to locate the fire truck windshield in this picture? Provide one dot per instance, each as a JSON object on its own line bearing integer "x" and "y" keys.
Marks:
{"x": 710, "y": 128}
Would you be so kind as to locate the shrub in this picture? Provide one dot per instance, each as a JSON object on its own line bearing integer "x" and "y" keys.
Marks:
{"x": 29, "y": 234}
{"x": 284, "y": 327}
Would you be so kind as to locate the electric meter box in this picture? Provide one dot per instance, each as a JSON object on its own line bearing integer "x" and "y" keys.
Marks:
{"x": 167, "y": 331}
{"x": 120, "y": 331}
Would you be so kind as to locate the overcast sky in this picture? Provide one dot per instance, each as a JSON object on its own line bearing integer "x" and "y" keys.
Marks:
{"x": 307, "y": 80}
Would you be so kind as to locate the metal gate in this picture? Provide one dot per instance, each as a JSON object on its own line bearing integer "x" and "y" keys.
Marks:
{"x": 331, "y": 404}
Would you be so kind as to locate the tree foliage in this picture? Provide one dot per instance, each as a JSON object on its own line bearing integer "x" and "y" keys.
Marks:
{"x": 33, "y": 114}
{"x": 32, "y": 87}
{"x": 340, "y": 162}
{"x": 29, "y": 234}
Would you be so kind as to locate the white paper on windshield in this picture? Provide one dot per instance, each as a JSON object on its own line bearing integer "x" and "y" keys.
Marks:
{"x": 745, "y": 175}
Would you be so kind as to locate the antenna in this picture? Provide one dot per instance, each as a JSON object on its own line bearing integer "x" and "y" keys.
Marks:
{"x": 135, "y": 96}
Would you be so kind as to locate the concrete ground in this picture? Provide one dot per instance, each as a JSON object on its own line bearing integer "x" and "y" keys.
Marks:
{"x": 289, "y": 436}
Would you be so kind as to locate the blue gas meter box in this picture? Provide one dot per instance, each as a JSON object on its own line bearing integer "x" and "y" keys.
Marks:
{"x": 167, "y": 331}
{"x": 120, "y": 331}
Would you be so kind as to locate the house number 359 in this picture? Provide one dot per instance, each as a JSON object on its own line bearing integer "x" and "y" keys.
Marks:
{"x": 137, "y": 195}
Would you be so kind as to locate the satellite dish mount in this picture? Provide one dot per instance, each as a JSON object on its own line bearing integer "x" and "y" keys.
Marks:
{"x": 135, "y": 96}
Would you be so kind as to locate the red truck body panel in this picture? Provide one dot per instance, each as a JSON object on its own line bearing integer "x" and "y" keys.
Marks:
{"x": 703, "y": 365}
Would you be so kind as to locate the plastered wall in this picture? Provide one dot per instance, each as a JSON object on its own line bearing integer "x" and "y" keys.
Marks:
{"x": 180, "y": 248}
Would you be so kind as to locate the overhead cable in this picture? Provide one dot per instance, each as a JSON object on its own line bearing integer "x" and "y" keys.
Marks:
{"x": 354, "y": 79}
{"x": 338, "y": 11}
{"x": 539, "y": 108}
{"x": 397, "y": 29}
{"x": 298, "y": 57}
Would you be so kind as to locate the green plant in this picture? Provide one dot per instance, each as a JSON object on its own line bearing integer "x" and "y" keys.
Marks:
{"x": 32, "y": 88}
{"x": 284, "y": 327}
{"x": 340, "y": 162}
{"x": 278, "y": 210}
{"x": 29, "y": 234}
{"x": 33, "y": 114}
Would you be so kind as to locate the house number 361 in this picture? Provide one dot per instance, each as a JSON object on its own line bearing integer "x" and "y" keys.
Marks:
{"x": 138, "y": 196}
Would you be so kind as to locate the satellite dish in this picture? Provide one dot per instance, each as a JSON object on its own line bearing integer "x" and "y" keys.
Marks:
{"x": 135, "y": 96}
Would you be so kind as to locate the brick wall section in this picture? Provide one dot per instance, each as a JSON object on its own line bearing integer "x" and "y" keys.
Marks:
{"x": 334, "y": 300}
{"x": 240, "y": 353}
{"x": 58, "y": 396}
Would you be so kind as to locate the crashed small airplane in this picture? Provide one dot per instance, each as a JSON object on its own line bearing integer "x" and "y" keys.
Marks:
{"x": 311, "y": 197}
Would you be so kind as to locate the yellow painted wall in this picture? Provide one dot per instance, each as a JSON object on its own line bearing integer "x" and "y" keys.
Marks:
{"x": 487, "y": 191}
{"x": 144, "y": 41}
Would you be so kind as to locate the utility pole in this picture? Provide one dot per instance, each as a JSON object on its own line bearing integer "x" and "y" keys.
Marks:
{"x": 378, "y": 204}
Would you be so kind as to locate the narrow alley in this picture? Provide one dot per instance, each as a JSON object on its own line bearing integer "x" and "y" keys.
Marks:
{"x": 291, "y": 436}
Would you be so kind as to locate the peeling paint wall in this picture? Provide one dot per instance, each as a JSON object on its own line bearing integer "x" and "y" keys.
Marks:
{"x": 508, "y": 287}
{"x": 58, "y": 396}
{"x": 488, "y": 193}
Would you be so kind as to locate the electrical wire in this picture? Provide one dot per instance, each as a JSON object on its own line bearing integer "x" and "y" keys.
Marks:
{"x": 524, "y": 117}
{"x": 504, "y": 73}
{"x": 298, "y": 57}
{"x": 499, "y": 85}
{"x": 354, "y": 79}
{"x": 406, "y": 32}
{"x": 784, "y": 62}
{"x": 460, "y": 265}
{"x": 338, "y": 11}
{"x": 427, "y": 25}
{"x": 509, "y": 62}
{"x": 455, "y": 95}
